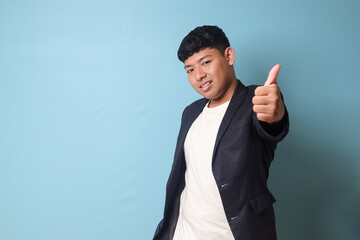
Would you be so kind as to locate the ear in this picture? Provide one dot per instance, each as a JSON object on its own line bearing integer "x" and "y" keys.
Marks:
{"x": 229, "y": 54}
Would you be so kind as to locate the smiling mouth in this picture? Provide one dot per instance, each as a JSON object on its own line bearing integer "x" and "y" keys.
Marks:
{"x": 206, "y": 84}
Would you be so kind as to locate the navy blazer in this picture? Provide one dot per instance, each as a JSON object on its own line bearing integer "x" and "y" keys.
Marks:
{"x": 242, "y": 155}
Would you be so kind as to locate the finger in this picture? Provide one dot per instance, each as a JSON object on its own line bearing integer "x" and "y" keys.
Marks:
{"x": 261, "y": 109}
{"x": 263, "y": 117}
{"x": 261, "y": 100}
{"x": 266, "y": 90}
{"x": 273, "y": 75}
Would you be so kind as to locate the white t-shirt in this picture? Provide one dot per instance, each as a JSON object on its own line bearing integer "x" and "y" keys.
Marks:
{"x": 202, "y": 215}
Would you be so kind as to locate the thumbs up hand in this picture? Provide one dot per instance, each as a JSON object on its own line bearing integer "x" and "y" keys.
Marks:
{"x": 268, "y": 104}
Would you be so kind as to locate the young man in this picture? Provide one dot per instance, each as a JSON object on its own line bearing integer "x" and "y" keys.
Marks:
{"x": 217, "y": 187}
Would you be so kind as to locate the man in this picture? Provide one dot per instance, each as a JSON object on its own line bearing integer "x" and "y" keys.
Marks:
{"x": 217, "y": 187}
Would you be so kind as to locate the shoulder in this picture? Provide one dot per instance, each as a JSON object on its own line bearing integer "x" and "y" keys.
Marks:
{"x": 243, "y": 91}
{"x": 200, "y": 103}
{"x": 251, "y": 89}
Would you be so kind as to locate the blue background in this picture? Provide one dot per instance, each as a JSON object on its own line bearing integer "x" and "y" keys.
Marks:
{"x": 91, "y": 95}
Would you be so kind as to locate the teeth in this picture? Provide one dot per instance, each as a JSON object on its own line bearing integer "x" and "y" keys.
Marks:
{"x": 205, "y": 84}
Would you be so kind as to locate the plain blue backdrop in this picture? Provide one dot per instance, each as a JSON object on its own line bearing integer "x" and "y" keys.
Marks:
{"x": 91, "y": 95}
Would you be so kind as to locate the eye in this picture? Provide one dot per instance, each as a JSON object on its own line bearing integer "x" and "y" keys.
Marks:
{"x": 206, "y": 62}
{"x": 190, "y": 70}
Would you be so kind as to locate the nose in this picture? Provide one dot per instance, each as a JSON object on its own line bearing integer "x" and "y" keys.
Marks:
{"x": 200, "y": 74}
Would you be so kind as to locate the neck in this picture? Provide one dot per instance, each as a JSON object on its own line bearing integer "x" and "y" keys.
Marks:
{"x": 226, "y": 96}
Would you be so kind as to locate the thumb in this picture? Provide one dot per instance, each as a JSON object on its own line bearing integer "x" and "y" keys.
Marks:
{"x": 273, "y": 75}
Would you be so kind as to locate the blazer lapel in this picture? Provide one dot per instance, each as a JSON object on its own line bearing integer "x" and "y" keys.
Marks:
{"x": 235, "y": 102}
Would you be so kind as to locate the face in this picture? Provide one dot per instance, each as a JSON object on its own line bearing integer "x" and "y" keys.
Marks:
{"x": 211, "y": 74}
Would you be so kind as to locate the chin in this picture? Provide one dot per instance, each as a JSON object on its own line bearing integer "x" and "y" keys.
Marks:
{"x": 207, "y": 96}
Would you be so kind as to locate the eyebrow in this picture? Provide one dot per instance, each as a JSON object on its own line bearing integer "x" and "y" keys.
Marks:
{"x": 202, "y": 58}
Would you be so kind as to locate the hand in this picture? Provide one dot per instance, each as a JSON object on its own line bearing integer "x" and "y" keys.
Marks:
{"x": 268, "y": 104}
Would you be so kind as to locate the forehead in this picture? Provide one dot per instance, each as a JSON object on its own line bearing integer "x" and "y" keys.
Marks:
{"x": 202, "y": 54}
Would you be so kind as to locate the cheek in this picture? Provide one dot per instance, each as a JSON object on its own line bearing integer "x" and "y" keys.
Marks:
{"x": 192, "y": 81}
{"x": 220, "y": 75}
{"x": 194, "y": 85}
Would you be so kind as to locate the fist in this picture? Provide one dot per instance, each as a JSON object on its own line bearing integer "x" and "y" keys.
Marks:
{"x": 268, "y": 104}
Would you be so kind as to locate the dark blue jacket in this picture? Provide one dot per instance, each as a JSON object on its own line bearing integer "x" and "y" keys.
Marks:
{"x": 243, "y": 151}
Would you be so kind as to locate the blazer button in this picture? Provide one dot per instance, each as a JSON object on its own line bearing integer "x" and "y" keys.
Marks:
{"x": 233, "y": 218}
{"x": 224, "y": 185}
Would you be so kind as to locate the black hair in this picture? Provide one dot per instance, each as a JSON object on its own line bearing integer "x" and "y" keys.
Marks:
{"x": 201, "y": 38}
